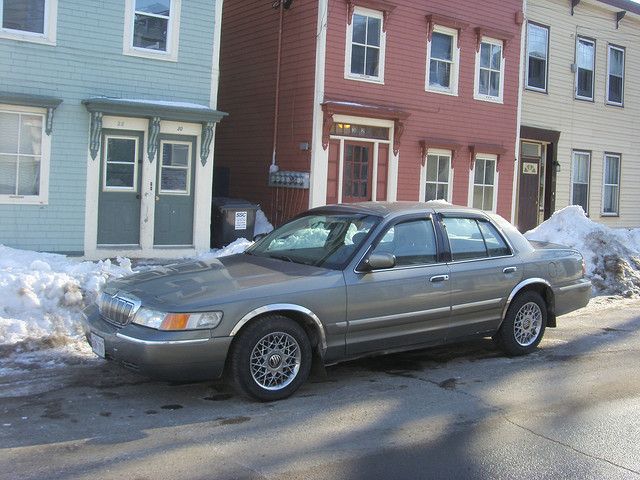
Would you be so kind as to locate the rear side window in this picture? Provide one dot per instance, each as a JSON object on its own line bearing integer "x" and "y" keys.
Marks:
{"x": 471, "y": 238}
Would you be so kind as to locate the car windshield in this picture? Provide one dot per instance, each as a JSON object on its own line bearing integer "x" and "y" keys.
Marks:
{"x": 322, "y": 240}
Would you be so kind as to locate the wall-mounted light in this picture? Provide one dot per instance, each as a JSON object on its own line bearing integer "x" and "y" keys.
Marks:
{"x": 557, "y": 166}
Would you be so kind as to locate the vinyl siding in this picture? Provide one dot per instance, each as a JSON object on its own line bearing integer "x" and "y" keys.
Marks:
{"x": 591, "y": 126}
{"x": 87, "y": 61}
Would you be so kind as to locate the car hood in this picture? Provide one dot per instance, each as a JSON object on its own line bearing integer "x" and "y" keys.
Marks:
{"x": 197, "y": 285}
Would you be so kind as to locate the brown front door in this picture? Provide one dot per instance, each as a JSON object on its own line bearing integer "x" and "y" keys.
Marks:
{"x": 358, "y": 165}
{"x": 528, "y": 193}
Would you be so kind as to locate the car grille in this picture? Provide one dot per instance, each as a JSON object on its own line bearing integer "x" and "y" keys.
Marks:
{"x": 116, "y": 309}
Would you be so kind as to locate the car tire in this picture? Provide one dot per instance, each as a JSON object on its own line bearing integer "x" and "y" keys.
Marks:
{"x": 523, "y": 325}
{"x": 270, "y": 359}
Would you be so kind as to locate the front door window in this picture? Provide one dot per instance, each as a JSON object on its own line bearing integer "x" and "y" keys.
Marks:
{"x": 357, "y": 173}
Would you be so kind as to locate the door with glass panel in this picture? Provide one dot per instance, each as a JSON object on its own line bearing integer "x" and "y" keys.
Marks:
{"x": 357, "y": 172}
{"x": 119, "y": 197}
{"x": 175, "y": 191}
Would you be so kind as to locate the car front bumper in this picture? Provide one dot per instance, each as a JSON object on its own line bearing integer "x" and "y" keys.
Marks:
{"x": 177, "y": 355}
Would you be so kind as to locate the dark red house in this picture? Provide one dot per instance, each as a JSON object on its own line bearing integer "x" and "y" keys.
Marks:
{"x": 349, "y": 100}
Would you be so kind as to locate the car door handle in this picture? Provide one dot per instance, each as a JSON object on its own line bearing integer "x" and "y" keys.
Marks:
{"x": 439, "y": 278}
{"x": 509, "y": 270}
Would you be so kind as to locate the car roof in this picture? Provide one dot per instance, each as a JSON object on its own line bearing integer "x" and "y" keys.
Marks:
{"x": 386, "y": 209}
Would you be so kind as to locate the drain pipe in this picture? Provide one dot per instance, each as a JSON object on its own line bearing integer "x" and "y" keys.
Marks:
{"x": 274, "y": 167}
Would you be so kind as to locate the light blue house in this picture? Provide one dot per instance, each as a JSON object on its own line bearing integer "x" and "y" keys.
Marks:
{"x": 107, "y": 120}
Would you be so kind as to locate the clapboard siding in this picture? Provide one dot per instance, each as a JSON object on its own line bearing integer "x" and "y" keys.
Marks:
{"x": 590, "y": 126}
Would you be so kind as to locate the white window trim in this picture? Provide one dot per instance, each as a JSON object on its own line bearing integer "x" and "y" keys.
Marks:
{"x": 484, "y": 156}
{"x": 476, "y": 90}
{"x": 45, "y": 158}
{"x": 593, "y": 70}
{"x": 546, "y": 60}
{"x": 383, "y": 40}
{"x": 573, "y": 161}
{"x": 136, "y": 165}
{"x": 604, "y": 174}
{"x": 173, "y": 34}
{"x": 188, "y": 169}
{"x": 624, "y": 60}
{"x": 423, "y": 174}
{"x": 455, "y": 65}
{"x": 50, "y": 27}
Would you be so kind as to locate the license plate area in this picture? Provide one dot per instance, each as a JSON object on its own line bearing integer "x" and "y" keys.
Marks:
{"x": 97, "y": 344}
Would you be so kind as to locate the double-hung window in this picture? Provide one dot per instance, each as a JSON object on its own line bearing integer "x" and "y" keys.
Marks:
{"x": 585, "y": 62}
{"x": 537, "y": 56}
{"x": 442, "y": 61}
{"x": 438, "y": 176}
{"x": 30, "y": 20}
{"x": 484, "y": 187}
{"x": 611, "y": 184}
{"x": 365, "y": 46}
{"x": 615, "y": 76}
{"x": 24, "y": 155}
{"x": 489, "y": 70}
{"x": 580, "y": 173}
{"x": 151, "y": 28}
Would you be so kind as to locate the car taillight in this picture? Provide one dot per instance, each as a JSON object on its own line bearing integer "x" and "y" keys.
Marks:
{"x": 584, "y": 270}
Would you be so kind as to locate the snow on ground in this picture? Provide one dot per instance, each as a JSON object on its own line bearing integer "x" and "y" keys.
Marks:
{"x": 43, "y": 294}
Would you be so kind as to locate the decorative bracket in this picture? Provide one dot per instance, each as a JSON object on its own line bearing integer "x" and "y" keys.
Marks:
{"x": 428, "y": 143}
{"x": 152, "y": 143}
{"x": 207, "y": 136}
{"x": 496, "y": 150}
{"x": 481, "y": 32}
{"x": 397, "y": 135}
{"x": 327, "y": 123}
{"x": 384, "y": 7}
{"x": 48, "y": 126}
{"x": 574, "y": 4}
{"x": 96, "y": 133}
{"x": 433, "y": 20}
{"x": 619, "y": 16}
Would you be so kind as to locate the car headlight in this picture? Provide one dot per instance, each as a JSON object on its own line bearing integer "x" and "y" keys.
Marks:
{"x": 176, "y": 321}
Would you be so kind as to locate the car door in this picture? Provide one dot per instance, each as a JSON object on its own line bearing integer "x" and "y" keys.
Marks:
{"x": 406, "y": 305}
{"x": 483, "y": 272}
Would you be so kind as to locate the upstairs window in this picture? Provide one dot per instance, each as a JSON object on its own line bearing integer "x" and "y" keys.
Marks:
{"x": 365, "y": 46}
{"x": 615, "y": 75}
{"x": 32, "y": 20}
{"x": 537, "y": 56}
{"x": 152, "y": 28}
{"x": 585, "y": 62}
{"x": 442, "y": 61}
{"x": 489, "y": 71}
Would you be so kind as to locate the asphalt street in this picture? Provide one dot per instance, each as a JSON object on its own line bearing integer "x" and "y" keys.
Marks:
{"x": 571, "y": 410}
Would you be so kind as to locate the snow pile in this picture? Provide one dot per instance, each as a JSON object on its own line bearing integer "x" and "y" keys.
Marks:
{"x": 612, "y": 256}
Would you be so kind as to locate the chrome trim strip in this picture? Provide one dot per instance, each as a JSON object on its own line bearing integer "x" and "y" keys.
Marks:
{"x": 483, "y": 303}
{"x": 160, "y": 342}
{"x": 278, "y": 307}
{"x": 519, "y": 287}
{"x": 582, "y": 284}
{"x": 374, "y": 320}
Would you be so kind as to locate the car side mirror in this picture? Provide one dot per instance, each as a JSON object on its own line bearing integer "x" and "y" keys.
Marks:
{"x": 378, "y": 261}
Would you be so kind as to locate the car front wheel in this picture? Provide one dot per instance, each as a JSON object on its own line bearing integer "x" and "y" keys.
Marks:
{"x": 523, "y": 325}
{"x": 271, "y": 358}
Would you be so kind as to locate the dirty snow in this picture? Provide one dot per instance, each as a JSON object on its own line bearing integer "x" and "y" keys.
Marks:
{"x": 43, "y": 294}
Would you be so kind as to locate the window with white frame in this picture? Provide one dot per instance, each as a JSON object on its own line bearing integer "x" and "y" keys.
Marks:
{"x": 537, "y": 56}
{"x": 33, "y": 20}
{"x": 152, "y": 28}
{"x": 585, "y": 62}
{"x": 24, "y": 155}
{"x": 484, "y": 188}
{"x": 611, "y": 184}
{"x": 489, "y": 70}
{"x": 365, "y": 46}
{"x": 442, "y": 61}
{"x": 580, "y": 173}
{"x": 615, "y": 75}
{"x": 438, "y": 176}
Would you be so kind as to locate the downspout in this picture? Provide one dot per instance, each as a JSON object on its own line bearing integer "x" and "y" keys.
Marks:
{"x": 521, "y": 80}
{"x": 274, "y": 167}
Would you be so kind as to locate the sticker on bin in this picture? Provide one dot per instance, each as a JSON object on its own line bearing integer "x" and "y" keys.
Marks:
{"x": 241, "y": 220}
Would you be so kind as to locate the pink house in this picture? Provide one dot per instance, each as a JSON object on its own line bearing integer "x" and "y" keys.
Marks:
{"x": 350, "y": 100}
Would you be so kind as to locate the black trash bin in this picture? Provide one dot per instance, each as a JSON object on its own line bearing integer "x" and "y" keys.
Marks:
{"x": 231, "y": 219}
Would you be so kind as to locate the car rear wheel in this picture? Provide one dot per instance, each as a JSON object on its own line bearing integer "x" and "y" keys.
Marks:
{"x": 523, "y": 325}
{"x": 270, "y": 359}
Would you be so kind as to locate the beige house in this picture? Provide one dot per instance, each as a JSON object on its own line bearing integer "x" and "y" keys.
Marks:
{"x": 580, "y": 112}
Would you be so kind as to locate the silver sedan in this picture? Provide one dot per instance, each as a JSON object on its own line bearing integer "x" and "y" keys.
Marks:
{"x": 336, "y": 283}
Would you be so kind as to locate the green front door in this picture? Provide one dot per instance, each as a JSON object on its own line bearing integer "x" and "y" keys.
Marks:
{"x": 119, "y": 197}
{"x": 175, "y": 191}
